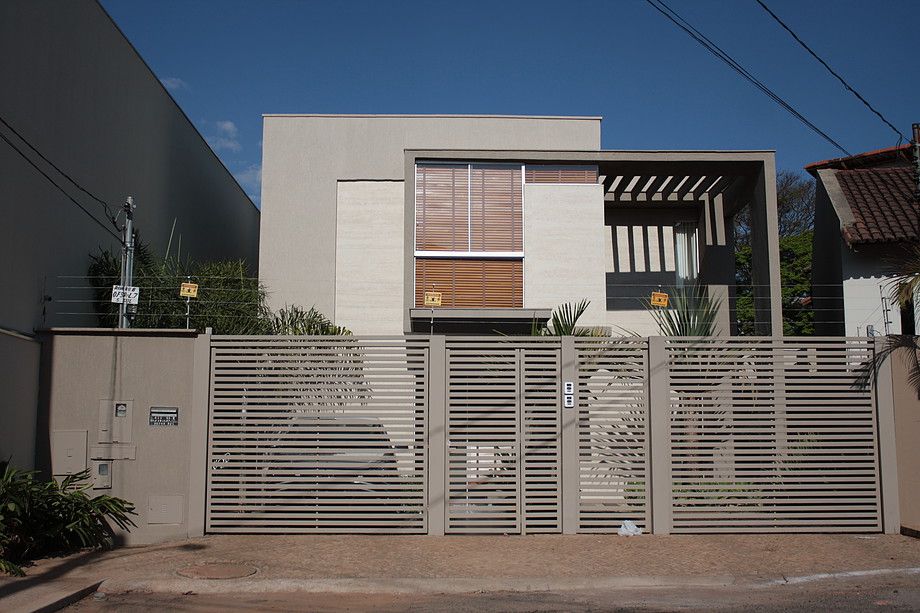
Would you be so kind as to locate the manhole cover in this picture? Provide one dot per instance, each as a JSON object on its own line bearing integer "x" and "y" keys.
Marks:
{"x": 217, "y": 570}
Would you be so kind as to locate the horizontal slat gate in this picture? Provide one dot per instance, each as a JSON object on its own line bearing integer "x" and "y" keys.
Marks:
{"x": 503, "y": 436}
{"x": 772, "y": 436}
{"x": 317, "y": 434}
{"x": 613, "y": 439}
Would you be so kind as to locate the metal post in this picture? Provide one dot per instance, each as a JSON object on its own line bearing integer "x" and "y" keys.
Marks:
{"x": 125, "y": 312}
{"x": 571, "y": 486}
{"x": 437, "y": 434}
{"x": 188, "y": 303}
{"x": 659, "y": 451}
{"x": 888, "y": 460}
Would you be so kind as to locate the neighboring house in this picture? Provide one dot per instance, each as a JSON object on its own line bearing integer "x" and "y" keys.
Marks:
{"x": 866, "y": 215}
{"x": 73, "y": 86}
{"x": 502, "y": 218}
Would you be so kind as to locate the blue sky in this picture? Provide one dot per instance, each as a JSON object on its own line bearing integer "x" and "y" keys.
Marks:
{"x": 228, "y": 62}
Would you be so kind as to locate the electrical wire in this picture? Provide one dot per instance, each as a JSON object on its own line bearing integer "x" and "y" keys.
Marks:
{"x": 110, "y": 215}
{"x": 61, "y": 189}
{"x": 709, "y": 45}
{"x": 830, "y": 70}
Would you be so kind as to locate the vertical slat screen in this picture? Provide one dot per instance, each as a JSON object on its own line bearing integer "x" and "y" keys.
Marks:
{"x": 772, "y": 435}
{"x": 317, "y": 434}
{"x": 470, "y": 283}
{"x": 496, "y": 208}
{"x": 560, "y": 174}
{"x": 613, "y": 438}
{"x": 442, "y": 207}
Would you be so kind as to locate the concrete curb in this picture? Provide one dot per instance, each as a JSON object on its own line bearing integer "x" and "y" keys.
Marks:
{"x": 45, "y": 598}
{"x": 384, "y": 585}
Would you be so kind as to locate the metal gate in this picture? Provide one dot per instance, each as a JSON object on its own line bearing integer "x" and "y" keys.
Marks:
{"x": 340, "y": 434}
{"x": 503, "y": 436}
{"x": 312, "y": 434}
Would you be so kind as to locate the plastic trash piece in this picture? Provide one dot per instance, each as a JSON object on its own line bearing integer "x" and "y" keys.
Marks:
{"x": 629, "y": 529}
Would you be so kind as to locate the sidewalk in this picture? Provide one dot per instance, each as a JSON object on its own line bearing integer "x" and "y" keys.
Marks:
{"x": 422, "y": 564}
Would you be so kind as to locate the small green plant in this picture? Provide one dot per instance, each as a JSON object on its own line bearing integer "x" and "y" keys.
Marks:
{"x": 41, "y": 518}
{"x": 297, "y": 321}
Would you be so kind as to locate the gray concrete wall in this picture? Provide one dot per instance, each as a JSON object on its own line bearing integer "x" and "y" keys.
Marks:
{"x": 369, "y": 256}
{"x": 19, "y": 357}
{"x": 75, "y": 87}
{"x": 83, "y": 370}
{"x": 305, "y": 156}
{"x": 564, "y": 248}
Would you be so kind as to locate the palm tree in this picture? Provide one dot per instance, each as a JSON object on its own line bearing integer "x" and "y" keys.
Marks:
{"x": 564, "y": 322}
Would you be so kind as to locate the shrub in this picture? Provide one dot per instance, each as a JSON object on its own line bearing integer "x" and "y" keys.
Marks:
{"x": 40, "y": 518}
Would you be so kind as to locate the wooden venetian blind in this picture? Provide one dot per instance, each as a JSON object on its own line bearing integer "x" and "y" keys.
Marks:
{"x": 496, "y": 208}
{"x": 470, "y": 283}
{"x": 442, "y": 207}
{"x": 560, "y": 174}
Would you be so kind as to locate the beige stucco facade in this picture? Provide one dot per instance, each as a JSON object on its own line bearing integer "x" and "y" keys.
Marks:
{"x": 564, "y": 248}
{"x": 369, "y": 256}
{"x": 305, "y": 157}
{"x": 151, "y": 465}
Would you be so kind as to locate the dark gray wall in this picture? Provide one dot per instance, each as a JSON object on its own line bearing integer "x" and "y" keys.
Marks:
{"x": 826, "y": 272}
{"x": 74, "y": 86}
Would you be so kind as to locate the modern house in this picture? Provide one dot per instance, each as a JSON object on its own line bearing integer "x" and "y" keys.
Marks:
{"x": 477, "y": 224}
{"x": 76, "y": 98}
{"x": 866, "y": 216}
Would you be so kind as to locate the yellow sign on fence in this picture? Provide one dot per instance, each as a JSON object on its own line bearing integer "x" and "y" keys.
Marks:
{"x": 659, "y": 299}
{"x": 433, "y": 299}
{"x": 188, "y": 290}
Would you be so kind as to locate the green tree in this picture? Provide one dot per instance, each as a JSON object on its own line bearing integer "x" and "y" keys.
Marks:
{"x": 795, "y": 200}
{"x": 230, "y": 300}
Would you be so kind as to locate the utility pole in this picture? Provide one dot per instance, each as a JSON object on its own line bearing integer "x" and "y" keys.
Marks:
{"x": 126, "y": 311}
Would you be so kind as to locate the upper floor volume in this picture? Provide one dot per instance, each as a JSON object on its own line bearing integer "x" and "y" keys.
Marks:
{"x": 481, "y": 224}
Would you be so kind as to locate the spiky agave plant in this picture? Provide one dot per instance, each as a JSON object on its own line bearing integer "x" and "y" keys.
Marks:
{"x": 564, "y": 321}
{"x": 692, "y": 312}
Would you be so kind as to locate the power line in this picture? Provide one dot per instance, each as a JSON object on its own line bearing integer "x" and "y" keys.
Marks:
{"x": 709, "y": 45}
{"x": 830, "y": 70}
{"x": 108, "y": 210}
{"x": 61, "y": 189}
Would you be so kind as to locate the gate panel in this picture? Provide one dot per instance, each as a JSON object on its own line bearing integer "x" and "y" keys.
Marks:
{"x": 483, "y": 443}
{"x": 503, "y": 436}
{"x": 772, "y": 435}
{"x": 613, "y": 437}
{"x": 541, "y": 429}
{"x": 317, "y": 434}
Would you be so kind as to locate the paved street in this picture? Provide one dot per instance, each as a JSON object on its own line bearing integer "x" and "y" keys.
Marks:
{"x": 502, "y": 573}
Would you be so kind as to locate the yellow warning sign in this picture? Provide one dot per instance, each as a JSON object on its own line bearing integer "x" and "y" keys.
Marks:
{"x": 188, "y": 290}
{"x": 433, "y": 299}
{"x": 659, "y": 299}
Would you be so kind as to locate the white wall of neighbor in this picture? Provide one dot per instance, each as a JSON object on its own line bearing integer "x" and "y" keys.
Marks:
{"x": 305, "y": 156}
{"x": 564, "y": 248}
{"x": 369, "y": 252}
{"x": 864, "y": 271}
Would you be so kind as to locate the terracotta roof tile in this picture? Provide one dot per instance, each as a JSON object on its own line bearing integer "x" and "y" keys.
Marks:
{"x": 884, "y": 204}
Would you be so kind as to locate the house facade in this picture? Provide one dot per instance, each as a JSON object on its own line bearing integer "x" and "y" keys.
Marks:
{"x": 866, "y": 219}
{"x": 484, "y": 224}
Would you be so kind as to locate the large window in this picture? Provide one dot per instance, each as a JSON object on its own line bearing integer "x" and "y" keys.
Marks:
{"x": 469, "y": 234}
